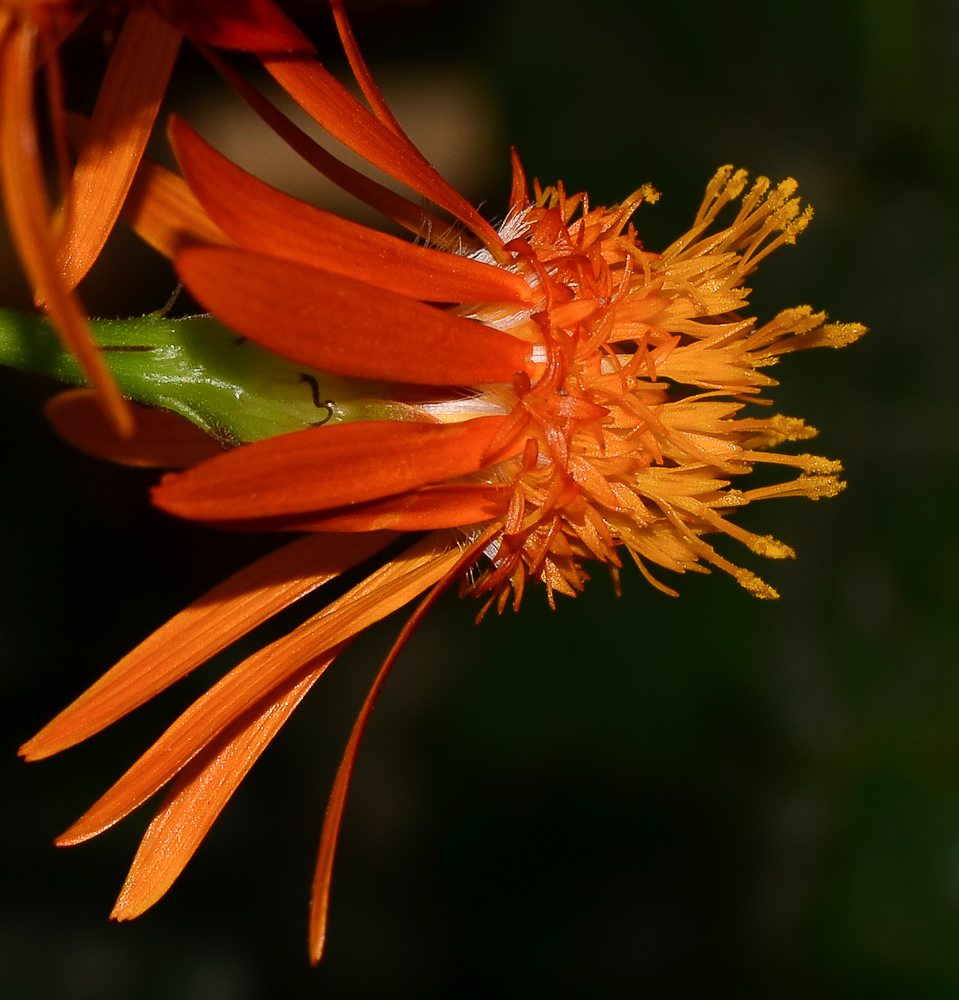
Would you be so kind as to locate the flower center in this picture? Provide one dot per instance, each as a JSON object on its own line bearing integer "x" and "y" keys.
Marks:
{"x": 628, "y": 419}
{"x": 588, "y": 417}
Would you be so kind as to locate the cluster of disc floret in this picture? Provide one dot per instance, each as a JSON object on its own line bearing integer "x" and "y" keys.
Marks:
{"x": 642, "y": 363}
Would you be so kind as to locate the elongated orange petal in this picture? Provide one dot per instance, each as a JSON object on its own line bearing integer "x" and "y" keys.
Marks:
{"x": 322, "y": 467}
{"x": 518, "y": 196}
{"x": 425, "y": 509}
{"x": 53, "y": 73}
{"x": 416, "y": 218}
{"x": 330, "y": 104}
{"x": 263, "y": 219}
{"x": 56, "y": 23}
{"x": 200, "y": 792}
{"x": 386, "y": 590}
{"x": 162, "y": 440}
{"x": 160, "y": 207}
{"x": 361, "y": 71}
{"x": 448, "y": 506}
{"x": 28, "y": 212}
{"x": 346, "y": 327}
{"x": 162, "y": 210}
{"x": 320, "y": 898}
{"x": 204, "y": 628}
{"x": 133, "y": 87}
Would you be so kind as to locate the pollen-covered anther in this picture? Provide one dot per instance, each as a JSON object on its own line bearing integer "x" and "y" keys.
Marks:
{"x": 841, "y": 334}
{"x": 811, "y": 464}
{"x": 756, "y": 585}
{"x": 818, "y": 466}
{"x": 771, "y": 548}
{"x": 776, "y": 430}
{"x": 818, "y": 487}
{"x": 812, "y": 486}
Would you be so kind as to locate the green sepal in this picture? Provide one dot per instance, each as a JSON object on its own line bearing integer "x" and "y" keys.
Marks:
{"x": 232, "y": 388}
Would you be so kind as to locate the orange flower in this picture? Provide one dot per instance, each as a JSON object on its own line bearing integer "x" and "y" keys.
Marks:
{"x": 57, "y": 249}
{"x": 557, "y": 394}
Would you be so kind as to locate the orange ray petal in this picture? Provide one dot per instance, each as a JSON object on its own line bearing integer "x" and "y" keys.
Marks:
{"x": 361, "y": 71}
{"x": 263, "y": 219}
{"x": 320, "y": 898}
{"x": 162, "y": 440}
{"x": 321, "y": 467}
{"x": 24, "y": 196}
{"x": 346, "y": 327}
{"x": 386, "y": 590}
{"x": 126, "y": 108}
{"x": 200, "y": 792}
{"x": 330, "y": 104}
{"x": 160, "y": 207}
{"x": 48, "y": 57}
{"x": 416, "y": 218}
{"x": 208, "y": 625}
{"x": 446, "y": 506}
{"x": 162, "y": 210}
{"x": 519, "y": 192}
{"x": 426, "y": 509}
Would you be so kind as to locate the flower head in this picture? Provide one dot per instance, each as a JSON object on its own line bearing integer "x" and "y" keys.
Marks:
{"x": 592, "y": 404}
{"x": 537, "y": 396}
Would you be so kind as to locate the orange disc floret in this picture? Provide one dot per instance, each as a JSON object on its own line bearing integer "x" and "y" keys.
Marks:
{"x": 642, "y": 363}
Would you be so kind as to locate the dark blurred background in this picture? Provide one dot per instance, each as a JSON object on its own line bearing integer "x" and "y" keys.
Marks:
{"x": 635, "y": 796}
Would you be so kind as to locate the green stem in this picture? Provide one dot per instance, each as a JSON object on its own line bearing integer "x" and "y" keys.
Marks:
{"x": 233, "y": 389}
